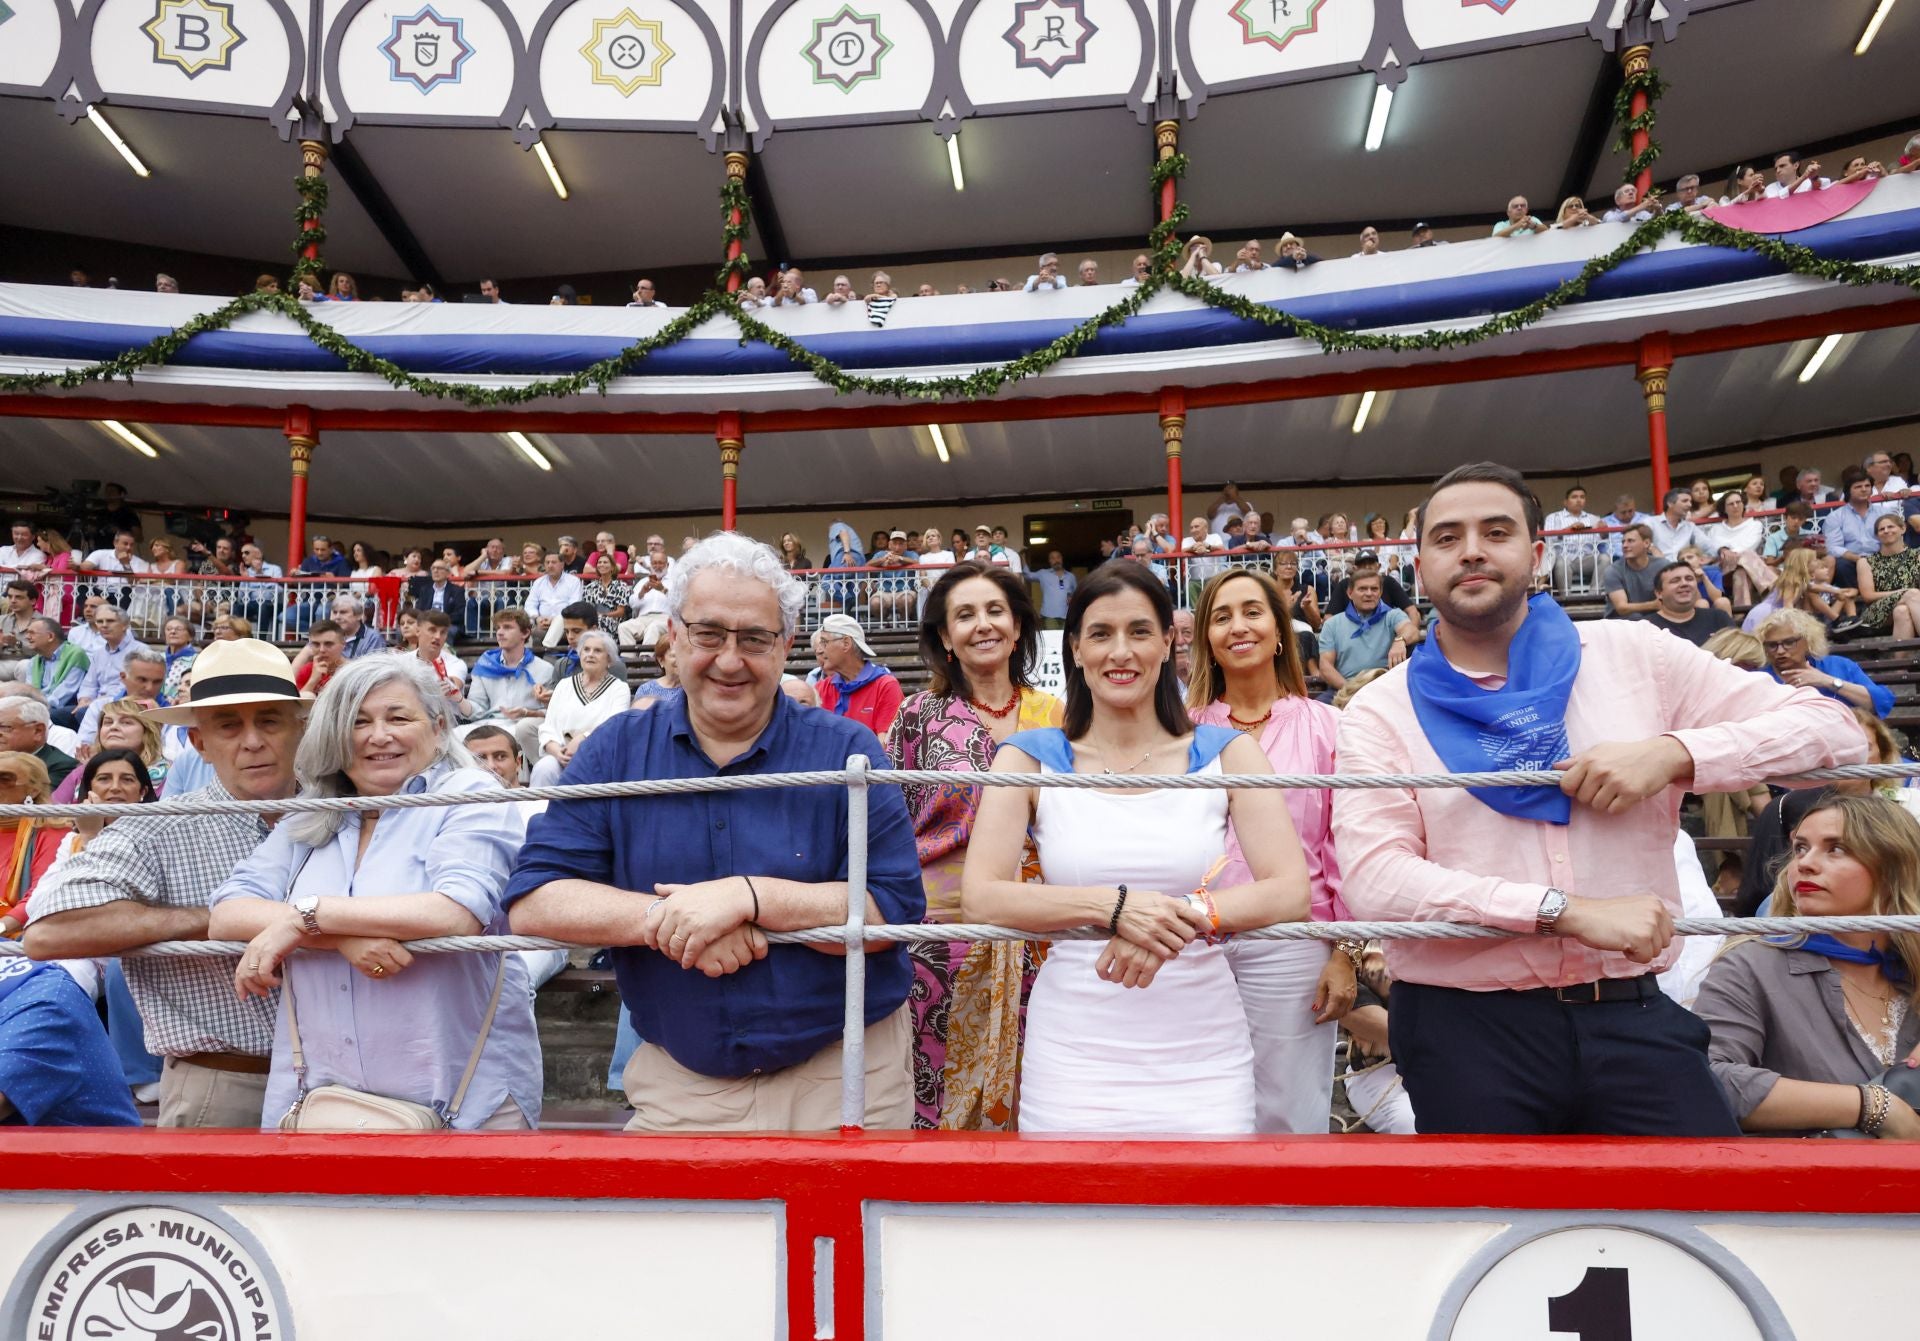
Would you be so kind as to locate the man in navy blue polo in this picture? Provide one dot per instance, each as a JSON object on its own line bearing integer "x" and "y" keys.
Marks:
{"x": 740, "y": 1035}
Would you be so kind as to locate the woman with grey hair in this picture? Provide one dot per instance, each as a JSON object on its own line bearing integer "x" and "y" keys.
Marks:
{"x": 350, "y": 886}
{"x": 588, "y": 697}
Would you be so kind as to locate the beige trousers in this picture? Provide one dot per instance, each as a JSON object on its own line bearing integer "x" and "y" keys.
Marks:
{"x": 667, "y": 1097}
{"x": 198, "y": 1096}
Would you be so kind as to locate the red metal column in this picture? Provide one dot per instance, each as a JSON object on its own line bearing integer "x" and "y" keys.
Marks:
{"x": 302, "y": 438}
{"x": 1166, "y": 140}
{"x": 1637, "y": 60}
{"x": 737, "y": 174}
{"x": 1173, "y": 432}
{"x": 313, "y": 162}
{"x": 1656, "y": 361}
{"x": 727, "y": 430}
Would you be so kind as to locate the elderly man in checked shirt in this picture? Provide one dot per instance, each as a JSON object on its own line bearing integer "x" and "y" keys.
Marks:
{"x": 145, "y": 880}
{"x": 1562, "y": 1030}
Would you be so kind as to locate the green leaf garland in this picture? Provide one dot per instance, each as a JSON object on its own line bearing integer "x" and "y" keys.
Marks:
{"x": 982, "y": 382}
{"x": 1650, "y": 83}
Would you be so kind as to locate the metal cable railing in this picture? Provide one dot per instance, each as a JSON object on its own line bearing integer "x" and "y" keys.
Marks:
{"x": 855, "y": 934}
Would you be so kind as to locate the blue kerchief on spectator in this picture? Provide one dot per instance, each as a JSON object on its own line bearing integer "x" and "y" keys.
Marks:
{"x": 1522, "y": 725}
{"x": 492, "y": 665}
{"x": 1365, "y": 622}
{"x": 1888, "y": 961}
{"x": 872, "y": 671}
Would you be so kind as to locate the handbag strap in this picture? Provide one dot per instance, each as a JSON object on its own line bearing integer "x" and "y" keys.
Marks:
{"x": 486, "y": 1027}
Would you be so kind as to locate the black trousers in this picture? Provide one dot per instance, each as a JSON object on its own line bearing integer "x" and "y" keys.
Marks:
{"x": 1524, "y": 1063}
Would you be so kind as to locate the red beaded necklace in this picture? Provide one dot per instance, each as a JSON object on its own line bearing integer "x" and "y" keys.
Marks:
{"x": 992, "y": 711}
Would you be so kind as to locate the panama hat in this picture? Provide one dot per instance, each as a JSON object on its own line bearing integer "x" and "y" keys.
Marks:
{"x": 240, "y": 670}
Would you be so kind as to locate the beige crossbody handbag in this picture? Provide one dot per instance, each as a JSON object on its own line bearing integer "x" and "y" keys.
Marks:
{"x": 343, "y": 1108}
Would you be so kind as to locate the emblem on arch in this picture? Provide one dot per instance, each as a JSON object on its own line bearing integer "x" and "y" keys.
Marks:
{"x": 627, "y": 53}
{"x": 1277, "y": 22}
{"x": 847, "y": 48}
{"x": 426, "y": 50}
{"x": 1049, "y": 35}
{"x": 193, "y": 36}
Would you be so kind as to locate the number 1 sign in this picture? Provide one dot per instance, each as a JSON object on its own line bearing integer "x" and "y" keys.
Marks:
{"x": 1603, "y": 1284}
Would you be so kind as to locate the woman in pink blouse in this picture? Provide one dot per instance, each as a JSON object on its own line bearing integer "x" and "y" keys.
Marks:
{"x": 1247, "y": 674}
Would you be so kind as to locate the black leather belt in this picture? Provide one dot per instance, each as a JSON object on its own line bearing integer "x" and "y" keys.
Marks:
{"x": 1606, "y": 989}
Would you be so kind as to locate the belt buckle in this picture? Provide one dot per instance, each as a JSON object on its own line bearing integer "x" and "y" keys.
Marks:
{"x": 1579, "y": 994}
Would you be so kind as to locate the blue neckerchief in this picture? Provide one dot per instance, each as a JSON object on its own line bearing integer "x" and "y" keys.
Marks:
{"x": 1363, "y": 624}
{"x": 868, "y": 674}
{"x": 1522, "y": 725}
{"x": 1821, "y": 943}
{"x": 492, "y": 665}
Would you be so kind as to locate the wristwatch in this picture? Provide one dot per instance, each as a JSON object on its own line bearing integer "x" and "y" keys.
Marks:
{"x": 1551, "y": 906}
{"x": 308, "y": 907}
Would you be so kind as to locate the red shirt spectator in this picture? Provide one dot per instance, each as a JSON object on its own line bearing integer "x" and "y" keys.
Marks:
{"x": 855, "y": 686}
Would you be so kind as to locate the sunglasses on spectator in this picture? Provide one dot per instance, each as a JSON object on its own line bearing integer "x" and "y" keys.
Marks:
{"x": 751, "y": 642}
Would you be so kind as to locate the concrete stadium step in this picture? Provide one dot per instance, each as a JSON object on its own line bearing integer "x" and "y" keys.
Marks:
{"x": 577, "y": 1014}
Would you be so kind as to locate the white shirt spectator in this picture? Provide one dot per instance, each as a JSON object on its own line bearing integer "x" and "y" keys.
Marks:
{"x": 1779, "y": 191}
{"x": 546, "y": 598}
{"x": 1563, "y": 520}
{"x": 1639, "y": 215}
{"x": 15, "y": 558}
{"x": 1201, "y": 569}
{"x": 1669, "y": 538}
{"x": 1035, "y": 283}
{"x": 111, "y": 562}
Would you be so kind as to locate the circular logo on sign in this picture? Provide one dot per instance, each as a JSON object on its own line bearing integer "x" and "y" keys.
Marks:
{"x": 154, "y": 1273}
{"x": 626, "y": 52}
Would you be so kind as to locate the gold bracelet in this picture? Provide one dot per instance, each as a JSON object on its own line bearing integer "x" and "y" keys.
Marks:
{"x": 1355, "y": 951}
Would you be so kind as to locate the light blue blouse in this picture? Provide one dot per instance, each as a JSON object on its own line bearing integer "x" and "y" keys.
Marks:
{"x": 409, "y": 1036}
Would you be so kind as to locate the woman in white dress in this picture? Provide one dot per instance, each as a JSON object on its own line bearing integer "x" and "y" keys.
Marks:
{"x": 597, "y": 691}
{"x": 1177, "y": 1057}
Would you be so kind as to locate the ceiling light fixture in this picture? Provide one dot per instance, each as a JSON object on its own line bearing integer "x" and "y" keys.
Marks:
{"x": 527, "y": 449}
{"x": 1377, "y": 123}
{"x": 1873, "y": 27}
{"x": 553, "y": 173}
{"x": 1819, "y": 359}
{"x": 113, "y": 138}
{"x": 953, "y": 161}
{"x": 128, "y": 436}
{"x": 1366, "y": 408}
{"x": 939, "y": 444}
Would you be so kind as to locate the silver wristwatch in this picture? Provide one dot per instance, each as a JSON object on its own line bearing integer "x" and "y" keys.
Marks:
{"x": 1551, "y": 906}
{"x": 308, "y": 907}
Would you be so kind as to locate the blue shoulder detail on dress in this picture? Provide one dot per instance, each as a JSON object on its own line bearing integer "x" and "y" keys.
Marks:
{"x": 1208, "y": 742}
{"x": 1047, "y": 744}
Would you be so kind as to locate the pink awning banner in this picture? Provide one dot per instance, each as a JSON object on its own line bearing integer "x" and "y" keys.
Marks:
{"x": 1790, "y": 214}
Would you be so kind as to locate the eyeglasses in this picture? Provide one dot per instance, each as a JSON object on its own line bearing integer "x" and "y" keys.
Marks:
{"x": 751, "y": 642}
{"x": 1782, "y": 645}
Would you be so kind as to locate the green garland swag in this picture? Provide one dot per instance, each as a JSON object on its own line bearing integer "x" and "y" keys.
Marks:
{"x": 310, "y": 231}
{"x": 1650, "y": 83}
{"x": 983, "y": 382}
{"x": 733, "y": 198}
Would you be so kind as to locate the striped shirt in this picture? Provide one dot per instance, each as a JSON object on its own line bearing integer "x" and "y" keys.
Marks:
{"x": 878, "y": 308}
{"x": 176, "y": 861}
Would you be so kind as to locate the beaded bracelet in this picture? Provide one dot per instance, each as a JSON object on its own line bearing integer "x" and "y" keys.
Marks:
{"x": 1113, "y": 923}
{"x": 1874, "y": 1103}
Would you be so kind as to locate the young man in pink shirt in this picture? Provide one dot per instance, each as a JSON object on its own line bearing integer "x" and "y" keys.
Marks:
{"x": 1562, "y": 1029}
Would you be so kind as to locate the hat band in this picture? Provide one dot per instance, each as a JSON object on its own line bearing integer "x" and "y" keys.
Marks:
{"x": 219, "y": 686}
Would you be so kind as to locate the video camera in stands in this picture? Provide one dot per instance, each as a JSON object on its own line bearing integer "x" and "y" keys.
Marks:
{"x": 80, "y": 513}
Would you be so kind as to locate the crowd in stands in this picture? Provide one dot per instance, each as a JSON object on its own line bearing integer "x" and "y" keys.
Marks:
{"x": 1182, "y": 656}
{"x": 787, "y": 285}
